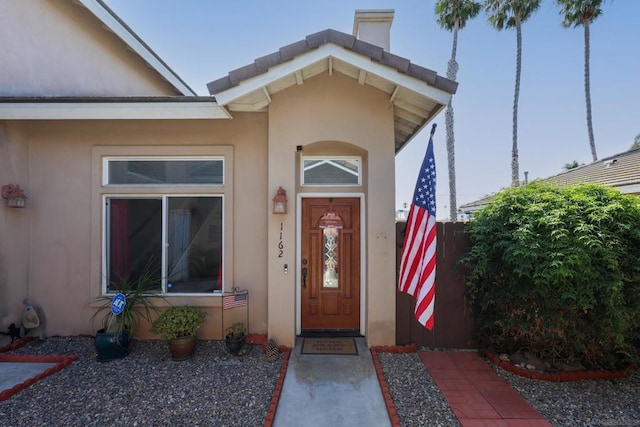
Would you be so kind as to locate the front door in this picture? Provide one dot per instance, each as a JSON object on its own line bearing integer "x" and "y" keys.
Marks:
{"x": 330, "y": 265}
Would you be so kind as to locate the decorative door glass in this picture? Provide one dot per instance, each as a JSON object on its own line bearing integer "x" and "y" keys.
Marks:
{"x": 330, "y": 223}
{"x": 330, "y": 257}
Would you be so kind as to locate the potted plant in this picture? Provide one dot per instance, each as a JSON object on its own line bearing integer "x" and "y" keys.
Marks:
{"x": 179, "y": 325}
{"x": 121, "y": 313}
{"x": 234, "y": 338}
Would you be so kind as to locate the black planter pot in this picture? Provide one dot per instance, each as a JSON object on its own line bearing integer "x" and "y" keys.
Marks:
{"x": 110, "y": 346}
{"x": 234, "y": 344}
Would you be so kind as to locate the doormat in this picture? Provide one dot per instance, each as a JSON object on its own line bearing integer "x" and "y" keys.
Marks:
{"x": 329, "y": 346}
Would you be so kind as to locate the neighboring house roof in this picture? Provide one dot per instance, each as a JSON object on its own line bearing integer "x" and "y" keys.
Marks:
{"x": 621, "y": 171}
{"x": 113, "y": 23}
{"x": 417, "y": 93}
{"x": 96, "y": 108}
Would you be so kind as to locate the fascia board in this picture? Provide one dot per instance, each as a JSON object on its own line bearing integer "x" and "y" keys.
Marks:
{"x": 420, "y": 128}
{"x": 112, "y": 110}
{"x": 332, "y": 51}
{"x": 116, "y": 27}
{"x": 629, "y": 189}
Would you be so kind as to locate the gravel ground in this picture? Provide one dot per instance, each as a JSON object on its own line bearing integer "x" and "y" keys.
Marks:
{"x": 419, "y": 402}
{"x": 417, "y": 399}
{"x": 145, "y": 388}
{"x": 582, "y": 403}
{"x": 214, "y": 388}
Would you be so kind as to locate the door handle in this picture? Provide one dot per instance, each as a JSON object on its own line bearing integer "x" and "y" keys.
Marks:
{"x": 304, "y": 278}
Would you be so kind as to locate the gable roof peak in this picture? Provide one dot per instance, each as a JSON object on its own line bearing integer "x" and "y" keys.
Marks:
{"x": 112, "y": 22}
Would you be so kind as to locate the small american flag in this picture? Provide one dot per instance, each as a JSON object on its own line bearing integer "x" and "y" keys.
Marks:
{"x": 418, "y": 263}
{"x": 234, "y": 301}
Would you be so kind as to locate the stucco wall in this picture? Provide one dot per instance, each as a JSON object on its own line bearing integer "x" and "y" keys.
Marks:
{"x": 338, "y": 109}
{"x": 58, "y": 48}
{"x": 330, "y": 115}
{"x": 65, "y": 228}
{"x": 14, "y": 225}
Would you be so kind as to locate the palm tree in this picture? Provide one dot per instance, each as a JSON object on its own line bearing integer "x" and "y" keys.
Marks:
{"x": 636, "y": 142}
{"x": 576, "y": 13}
{"x": 453, "y": 15}
{"x": 572, "y": 165}
{"x": 511, "y": 14}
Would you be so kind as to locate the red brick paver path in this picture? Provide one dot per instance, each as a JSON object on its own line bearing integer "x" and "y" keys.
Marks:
{"x": 477, "y": 396}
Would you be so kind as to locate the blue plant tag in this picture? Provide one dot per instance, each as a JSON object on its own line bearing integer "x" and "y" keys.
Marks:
{"x": 117, "y": 304}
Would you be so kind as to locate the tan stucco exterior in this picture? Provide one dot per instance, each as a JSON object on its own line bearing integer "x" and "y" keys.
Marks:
{"x": 65, "y": 196}
{"x": 62, "y": 243}
{"x": 59, "y": 49}
{"x": 335, "y": 109}
{"x": 15, "y": 226}
{"x": 52, "y": 251}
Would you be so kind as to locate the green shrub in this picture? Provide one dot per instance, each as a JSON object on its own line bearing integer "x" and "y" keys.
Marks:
{"x": 179, "y": 321}
{"x": 556, "y": 270}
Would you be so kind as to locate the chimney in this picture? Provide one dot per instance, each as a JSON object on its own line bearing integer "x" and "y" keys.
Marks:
{"x": 374, "y": 26}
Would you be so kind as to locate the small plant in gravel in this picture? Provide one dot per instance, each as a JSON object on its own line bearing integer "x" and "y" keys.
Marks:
{"x": 236, "y": 330}
{"x": 234, "y": 338}
{"x": 555, "y": 270}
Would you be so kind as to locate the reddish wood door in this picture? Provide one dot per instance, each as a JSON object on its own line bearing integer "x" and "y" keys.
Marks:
{"x": 330, "y": 267}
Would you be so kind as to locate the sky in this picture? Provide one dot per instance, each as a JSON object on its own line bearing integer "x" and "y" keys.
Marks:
{"x": 202, "y": 40}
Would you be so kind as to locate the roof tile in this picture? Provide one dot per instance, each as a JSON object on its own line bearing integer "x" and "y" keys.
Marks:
{"x": 317, "y": 39}
{"x": 294, "y": 49}
{"x": 219, "y": 85}
{"x": 446, "y": 84}
{"x": 399, "y": 63}
{"x": 342, "y": 39}
{"x": 424, "y": 74}
{"x": 347, "y": 41}
{"x": 368, "y": 49}
{"x": 265, "y": 62}
{"x": 244, "y": 73}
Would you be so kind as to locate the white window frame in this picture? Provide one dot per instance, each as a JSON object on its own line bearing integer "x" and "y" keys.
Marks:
{"x": 166, "y": 152}
{"x": 164, "y": 240}
{"x": 329, "y": 158}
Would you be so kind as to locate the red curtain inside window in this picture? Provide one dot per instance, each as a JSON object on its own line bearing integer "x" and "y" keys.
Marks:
{"x": 119, "y": 267}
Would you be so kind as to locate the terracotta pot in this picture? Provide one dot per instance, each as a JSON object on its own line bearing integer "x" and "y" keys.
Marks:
{"x": 182, "y": 348}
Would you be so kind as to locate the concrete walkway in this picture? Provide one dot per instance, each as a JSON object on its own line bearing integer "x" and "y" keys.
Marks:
{"x": 331, "y": 390}
{"x": 14, "y": 373}
{"x": 335, "y": 390}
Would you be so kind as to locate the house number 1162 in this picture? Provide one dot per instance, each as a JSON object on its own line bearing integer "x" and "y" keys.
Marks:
{"x": 280, "y": 244}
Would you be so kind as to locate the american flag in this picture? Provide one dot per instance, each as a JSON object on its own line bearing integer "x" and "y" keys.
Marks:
{"x": 234, "y": 301}
{"x": 418, "y": 263}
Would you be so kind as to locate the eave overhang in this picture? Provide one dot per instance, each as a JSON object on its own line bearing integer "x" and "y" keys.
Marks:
{"x": 133, "y": 108}
{"x": 416, "y": 93}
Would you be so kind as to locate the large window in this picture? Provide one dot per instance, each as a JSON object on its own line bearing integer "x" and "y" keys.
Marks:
{"x": 177, "y": 240}
{"x": 174, "y": 239}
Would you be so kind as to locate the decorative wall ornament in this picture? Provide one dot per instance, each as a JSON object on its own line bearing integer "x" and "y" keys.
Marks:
{"x": 14, "y": 195}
